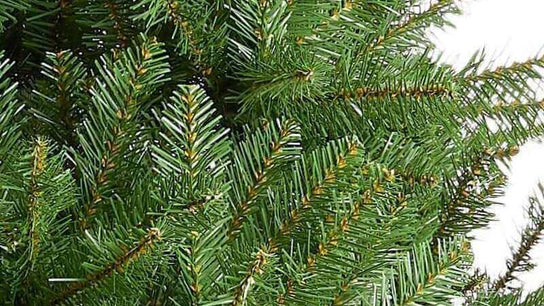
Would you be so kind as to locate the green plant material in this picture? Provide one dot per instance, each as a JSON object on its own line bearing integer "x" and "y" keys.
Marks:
{"x": 271, "y": 152}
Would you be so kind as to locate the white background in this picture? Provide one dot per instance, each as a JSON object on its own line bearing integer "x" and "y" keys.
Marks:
{"x": 508, "y": 30}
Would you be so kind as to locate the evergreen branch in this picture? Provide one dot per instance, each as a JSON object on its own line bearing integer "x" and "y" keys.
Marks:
{"x": 283, "y": 139}
{"x": 516, "y": 122}
{"x": 414, "y": 22}
{"x": 9, "y": 108}
{"x": 39, "y": 31}
{"x": 334, "y": 28}
{"x": 63, "y": 96}
{"x": 335, "y": 234}
{"x": 534, "y": 298}
{"x": 257, "y": 24}
{"x": 496, "y": 299}
{"x": 434, "y": 96}
{"x": 272, "y": 247}
{"x": 413, "y": 92}
{"x": 38, "y": 165}
{"x": 346, "y": 235}
{"x": 343, "y": 26}
{"x": 342, "y": 294}
{"x": 461, "y": 192}
{"x": 311, "y": 198}
{"x": 7, "y": 9}
{"x": 36, "y": 207}
{"x": 118, "y": 99}
{"x": 161, "y": 11}
{"x": 181, "y": 23}
{"x": 502, "y": 84}
{"x": 299, "y": 76}
{"x": 106, "y": 24}
{"x": 476, "y": 282}
{"x": 261, "y": 221}
{"x": 530, "y": 237}
{"x": 36, "y": 193}
{"x": 195, "y": 146}
{"x": 422, "y": 279}
{"x": 256, "y": 267}
{"x": 191, "y": 23}
{"x": 61, "y": 24}
{"x": 471, "y": 75}
{"x": 516, "y": 297}
{"x": 118, "y": 265}
{"x": 57, "y": 96}
{"x": 117, "y": 23}
{"x": 198, "y": 265}
{"x": 463, "y": 189}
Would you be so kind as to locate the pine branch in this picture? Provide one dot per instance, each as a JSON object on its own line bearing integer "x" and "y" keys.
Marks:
{"x": 163, "y": 11}
{"x": 421, "y": 279}
{"x": 367, "y": 27}
{"x": 36, "y": 194}
{"x": 195, "y": 146}
{"x": 534, "y": 298}
{"x": 530, "y": 237}
{"x": 34, "y": 206}
{"x": 416, "y": 87}
{"x": 463, "y": 196}
{"x": 503, "y": 84}
{"x": 477, "y": 282}
{"x": 471, "y": 74}
{"x": 62, "y": 23}
{"x": 293, "y": 76}
{"x": 198, "y": 265}
{"x": 260, "y": 158}
{"x": 355, "y": 248}
{"x": 146, "y": 243}
{"x": 335, "y": 234}
{"x": 361, "y": 193}
{"x": 56, "y": 101}
{"x": 9, "y": 109}
{"x": 415, "y": 22}
{"x": 118, "y": 98}
{"x": 106, "y": 25}
{"x": 308, "y": 202}
{"x": 197, "y": 29}
{"x": 8, "y": 9}
{"x": 332, "y": 28}
{"x": 514, "y": 298}
{"x": 38, "y": 164}
{"x": 39, "y": 30}
{"x": 515, "y": 122}
{"x": 257, "y": 25}
{"x": 122, "y": 37}
{"x": 404, "y": 93}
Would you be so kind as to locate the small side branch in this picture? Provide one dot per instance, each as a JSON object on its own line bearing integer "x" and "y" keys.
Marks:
{"x": 92, "y": 279}
{"x": 530, "y": 237}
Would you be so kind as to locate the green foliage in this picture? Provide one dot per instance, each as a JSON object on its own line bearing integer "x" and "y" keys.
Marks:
{"x": 36, "y": 193}
{"x": 58, "y": 100}
{"x": 251, "y": 152}
{"x": 7, "y": 7}
{"x": 194, "y": 148}
{"x": 8, "y": 111}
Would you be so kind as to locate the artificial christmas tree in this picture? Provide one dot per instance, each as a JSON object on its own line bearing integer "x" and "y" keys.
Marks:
{"x": 200, "y": 152}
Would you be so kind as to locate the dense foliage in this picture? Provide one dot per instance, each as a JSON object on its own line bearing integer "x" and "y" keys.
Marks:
{"x": 245, "y": 152}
